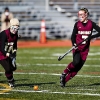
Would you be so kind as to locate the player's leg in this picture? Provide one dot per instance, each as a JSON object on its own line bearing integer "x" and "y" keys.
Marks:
{"x": 69, "y": 69}
{"x": 70, "y": 76}
{"x": 8, "y": 71}
{"x": 73, "y": 72}
{"x": 65, "y": 73}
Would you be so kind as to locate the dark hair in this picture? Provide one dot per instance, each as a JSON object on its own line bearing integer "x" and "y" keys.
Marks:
{"x": 6, "y": 8}
{"x": 85, "y": 9}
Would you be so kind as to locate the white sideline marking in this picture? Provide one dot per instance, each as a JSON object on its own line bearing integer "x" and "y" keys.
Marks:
{"x": 5, "y": 89}
{"x": 29, "y": 91}
{"x": 44, "y": 58}
{"x": 87, "y": 89}
{"x": 70, "y": 54}
{"x": 49, "y": 65}
{"x": 4, "y": 93}
{"x": 54, "y": 74}
{"x": 89, "y": 94}
{"x": 39, "y": 64}
{"x": 93, "y": 49}
{"x": 47, "y": 91}
{"x": 42, "y": 91}
{"x": 35, "y": 51}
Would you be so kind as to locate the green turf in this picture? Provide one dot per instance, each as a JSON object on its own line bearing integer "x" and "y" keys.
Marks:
{"x": 38, "y": 66}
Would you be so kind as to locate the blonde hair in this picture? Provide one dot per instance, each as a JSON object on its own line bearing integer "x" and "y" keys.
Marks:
{"x": 14, "y": 21}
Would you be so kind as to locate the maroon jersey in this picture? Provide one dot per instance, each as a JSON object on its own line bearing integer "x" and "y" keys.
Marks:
{"x": 8, "y": 42}
{"x": 83, "y": 33}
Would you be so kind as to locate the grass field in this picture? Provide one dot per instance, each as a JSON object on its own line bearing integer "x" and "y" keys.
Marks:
{"x": 39, "y": 66}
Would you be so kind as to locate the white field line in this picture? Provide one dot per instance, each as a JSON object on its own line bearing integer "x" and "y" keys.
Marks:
{"x": 50, "y": 65}
{"x": 47, "y": 50}
{"x": 88, "y": 94}
{"x": 54, "y": 74}
{"x": 5, "y": 89}
{"x": 47, "y": 91}
{"x": 70, "y": 54}
{"x": 4, "y": 93}
{"x": 26, "y": 50}
{"x": 88, "y": 89}
{"x": 93, "y": 49}
{"x": 44, "y": 58}
{"x": 34, "y": 51}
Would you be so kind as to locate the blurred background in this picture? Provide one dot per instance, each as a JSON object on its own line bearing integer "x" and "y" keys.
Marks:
{"x": 59, "y": 16}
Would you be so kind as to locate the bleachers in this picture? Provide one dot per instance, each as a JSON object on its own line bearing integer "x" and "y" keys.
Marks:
{"x": 72, "y": 7}
{"x": 59, "y": 23}
{"x": 30, "y": 16}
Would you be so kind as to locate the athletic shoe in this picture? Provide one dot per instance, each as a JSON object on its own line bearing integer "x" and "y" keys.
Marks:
{"x": 62, "y": 80}
{"x": 11, "y": 83}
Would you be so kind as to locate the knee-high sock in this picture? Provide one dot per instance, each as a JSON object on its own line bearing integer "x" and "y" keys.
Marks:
{"x": 70, "y": 76}
{"x": 69, "y": 68}
{"x": 9, "y": 75}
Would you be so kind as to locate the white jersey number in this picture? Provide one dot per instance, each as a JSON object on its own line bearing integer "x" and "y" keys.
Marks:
{"x": 84, "y": 37}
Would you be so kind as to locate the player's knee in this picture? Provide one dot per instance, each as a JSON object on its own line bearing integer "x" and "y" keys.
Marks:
{"x": 76, "y": 62}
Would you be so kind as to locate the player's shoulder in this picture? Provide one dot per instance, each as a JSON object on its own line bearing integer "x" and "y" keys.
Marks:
{"x": 2, "y": 33}
{"x": 76, "y": 24}
{"x": 89, "y": 20}
{"x": 93, "y": 23}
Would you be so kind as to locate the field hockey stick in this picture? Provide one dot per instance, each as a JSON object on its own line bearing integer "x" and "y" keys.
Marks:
{"x": 73, "y": 47}
{"x": 61, "y": 57}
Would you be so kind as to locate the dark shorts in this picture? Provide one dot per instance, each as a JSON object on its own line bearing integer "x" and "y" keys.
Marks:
{"x": 7, "y": 65}
{"x": 78, "y": 60}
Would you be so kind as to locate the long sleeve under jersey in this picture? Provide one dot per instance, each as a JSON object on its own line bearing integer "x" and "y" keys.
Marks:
{"x": 75, "y": 31}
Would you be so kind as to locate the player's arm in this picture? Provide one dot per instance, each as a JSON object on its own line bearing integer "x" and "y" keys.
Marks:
{"x": 73, "y": 36}
{"x": 2, "y": 44}
{"x": 97, "y": 28}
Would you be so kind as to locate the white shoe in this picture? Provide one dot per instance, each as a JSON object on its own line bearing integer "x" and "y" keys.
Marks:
{"x": 11, "y": 83}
